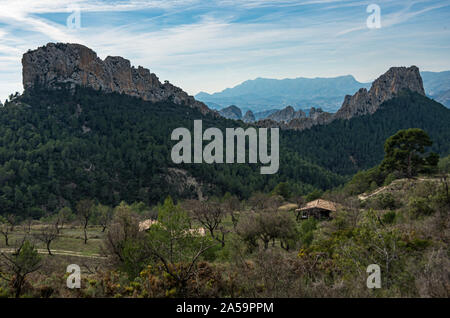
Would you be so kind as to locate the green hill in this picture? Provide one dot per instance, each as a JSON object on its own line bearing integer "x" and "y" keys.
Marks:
{"x": 57, "y": 148}
{"x": 346, "y": 146}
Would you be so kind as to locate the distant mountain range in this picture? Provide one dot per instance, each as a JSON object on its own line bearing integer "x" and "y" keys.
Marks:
{"x": 263, "y": 94}
{"x": 437, "y": 86}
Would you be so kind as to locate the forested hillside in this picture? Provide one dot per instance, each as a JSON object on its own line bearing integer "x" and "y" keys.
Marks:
{"x": 346, "y": 146}
{"x": 57, "y": 148}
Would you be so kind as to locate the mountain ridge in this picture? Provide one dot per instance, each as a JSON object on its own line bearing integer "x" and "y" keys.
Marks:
{"x": 436, "y": 84}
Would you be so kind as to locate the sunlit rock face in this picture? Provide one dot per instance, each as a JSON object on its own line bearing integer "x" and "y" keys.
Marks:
{"x": 54, "y": 65}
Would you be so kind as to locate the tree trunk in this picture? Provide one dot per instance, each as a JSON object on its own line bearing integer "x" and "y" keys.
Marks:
{"x": 409, "y": 173}
{"x": 17, "y": 285}
{"x": 48, "y": 248}
{"x": 85, "y": 232}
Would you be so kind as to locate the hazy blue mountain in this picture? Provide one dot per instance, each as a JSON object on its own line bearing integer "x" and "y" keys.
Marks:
{"x": 263, "y": 94}
{"x": 437, "y": 86}
{"x": 265, "y": 113}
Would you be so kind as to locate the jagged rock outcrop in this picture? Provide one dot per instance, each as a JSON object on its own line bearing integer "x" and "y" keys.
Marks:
{"x": 384, "y": 88}
{"x": 55, "y": 65}
{"x": 249, "y": 117}
{"x": 231, "y": 112}
{"x": 286, "y": 115}
{"x": 315, "y": 112}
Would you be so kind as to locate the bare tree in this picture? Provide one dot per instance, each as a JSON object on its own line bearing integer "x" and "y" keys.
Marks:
{"x": 24, "y": 261}
{"x": 47, "y": 235}
{"x": 27, "y": 225}
{"x": 84, "y": 210}
{"x": 124, "y": 228}
{"x": 232, "y": 205}
{"x": 12, "y": 220}
{"x": 5, "y": 229}
{"x": 261, "y": 201}
{"x": 62, "y": 218}
{"x": 104, "y": 215}
{"x": 210, "y": 215}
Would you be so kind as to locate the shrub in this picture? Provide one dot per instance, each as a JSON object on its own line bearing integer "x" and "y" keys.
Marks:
{"x": 385, "y": 201}
{"x": 419, "y": 207}
{"x": 389, "y": 217}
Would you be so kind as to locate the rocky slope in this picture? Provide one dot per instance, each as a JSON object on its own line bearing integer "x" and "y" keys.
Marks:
{"x": 54, "y": 65}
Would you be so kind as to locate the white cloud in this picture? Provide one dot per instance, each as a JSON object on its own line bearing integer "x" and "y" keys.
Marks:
{"x": 215, "y": 51}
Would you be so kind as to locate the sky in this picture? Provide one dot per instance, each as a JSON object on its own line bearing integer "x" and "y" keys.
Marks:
{"x": 210, "y": 45}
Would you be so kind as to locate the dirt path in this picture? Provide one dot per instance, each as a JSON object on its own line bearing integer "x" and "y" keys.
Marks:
{"x": 365, "y": 196}
{"x": 57, "y": 252}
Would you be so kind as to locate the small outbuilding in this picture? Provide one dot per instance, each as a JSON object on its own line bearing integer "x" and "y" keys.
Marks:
{"x": 319, "y": 209}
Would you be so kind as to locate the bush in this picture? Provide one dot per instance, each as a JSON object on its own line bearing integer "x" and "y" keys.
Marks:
{"x": 419, "y": 207}
{"x": 386, "y": 201}
{"x": 389, "y": 217}
{"x": 306, "y": 232}
{"x": 314, "y": 195}
{"x": 444, "y": 165}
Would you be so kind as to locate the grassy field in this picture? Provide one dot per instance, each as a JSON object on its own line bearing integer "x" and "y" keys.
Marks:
{"x": 71, "y": 239}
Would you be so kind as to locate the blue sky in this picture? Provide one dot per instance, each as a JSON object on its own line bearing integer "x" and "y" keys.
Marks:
{"x": 211, "y": 45}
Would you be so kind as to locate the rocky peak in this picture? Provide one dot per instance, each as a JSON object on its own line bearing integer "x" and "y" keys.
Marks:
{"x": 384, "y": 88}
{"x": 59, "y": 64}
{"x": 249, "y": 117}
{"x": 286, "y": 114}
{"x": 231, "y": 112}
{"x": 315, "y": 112}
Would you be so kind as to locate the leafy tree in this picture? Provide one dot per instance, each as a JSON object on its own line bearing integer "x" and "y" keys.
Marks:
{"x": 124, "y": 244}
{"x": 267, "y": 226}
{"x": 24, "y": 261}
{"x": 405, "y": 152}
{"x": 444, "y": 165}
{"x": 175, "y": 245}
{"x": 314, "y": 195}
{"x": 283, "y": 189}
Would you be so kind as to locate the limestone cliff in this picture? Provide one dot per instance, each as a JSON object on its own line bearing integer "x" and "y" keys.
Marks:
{"x": 384, "y": 88}
{"x": 55, "y": 65}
